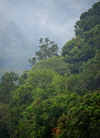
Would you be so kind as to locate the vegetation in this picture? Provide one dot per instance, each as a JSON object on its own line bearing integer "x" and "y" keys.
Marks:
{"x": 59, "y": 97}
{"x": 47, "y": 49}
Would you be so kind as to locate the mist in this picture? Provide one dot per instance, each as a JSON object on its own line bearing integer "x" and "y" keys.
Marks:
{"x": 54, "y": 19}
{"x": 24, "y": 22}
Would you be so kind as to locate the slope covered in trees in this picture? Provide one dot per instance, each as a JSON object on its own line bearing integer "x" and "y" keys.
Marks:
{"x": 15, "y": 49}
{"x": 59, "y": 97}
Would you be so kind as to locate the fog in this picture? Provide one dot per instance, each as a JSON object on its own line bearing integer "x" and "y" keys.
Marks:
{"x": 24, "y": 22}
{"x": 54, "y": 19}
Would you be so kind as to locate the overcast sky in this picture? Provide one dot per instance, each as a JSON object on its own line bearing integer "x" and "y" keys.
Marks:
{"x": 54, "y": 19}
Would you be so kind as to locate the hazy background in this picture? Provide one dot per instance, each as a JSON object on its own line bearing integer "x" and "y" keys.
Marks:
{"x": 32, "y": 20}
{"x": 45, "y": 18}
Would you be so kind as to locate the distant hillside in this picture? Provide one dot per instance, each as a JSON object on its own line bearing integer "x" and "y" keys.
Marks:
{"x": 15, "y": 49}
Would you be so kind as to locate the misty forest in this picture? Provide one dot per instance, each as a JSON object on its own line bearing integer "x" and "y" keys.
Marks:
{"x": 58, "y": 93}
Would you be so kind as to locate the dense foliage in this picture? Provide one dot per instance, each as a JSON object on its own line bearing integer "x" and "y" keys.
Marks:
{"x": 59, "y": 97}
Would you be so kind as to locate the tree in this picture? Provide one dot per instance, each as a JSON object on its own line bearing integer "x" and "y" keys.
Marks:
{"x": 8, "y": 84}
{"x": 3, "y": 121}
{"x": 88, "y": 20}
{"x": 90, "y": 73}
{"x": 81, "y": 120}
{"x": 32, "y": 61}
{"x": 72, "y": 53}
{"x": 23, "y": 77}
{"x": 47, "y": 49}
{"x": 8, "y": 80}
{"x": 41, "y": 115}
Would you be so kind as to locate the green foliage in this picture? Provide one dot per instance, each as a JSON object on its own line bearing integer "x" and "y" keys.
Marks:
{"x": 74, "y": 53}
{"x": 23, "y": 77}
{"x": 82, "y": 120}
{"x": 9, "y": 83}
{"x": 9, "y": 79}
{"x": 41, "y": 115}
{"x": 3, "y": 121}
{"x": 32, "y": 61}
{"x": 81, "y": 49}
{"x": 60, "y": 96}
{"x": 84, "y": 46}
{"x": 88, "y": 19}
{"x": 40, "y": 77}
{"x": 54, "y": 63}
{"x": 47, "y": 49}
{"x": 23, "y": 95}
{"x": 60, "y": 83}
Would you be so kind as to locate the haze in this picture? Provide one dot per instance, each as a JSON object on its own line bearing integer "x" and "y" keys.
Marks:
{"x": 24, "y": 22}
{"x": 54, "y": 19}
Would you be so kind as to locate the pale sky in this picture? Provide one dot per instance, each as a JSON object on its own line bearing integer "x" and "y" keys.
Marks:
{"x": 54, "y": 19}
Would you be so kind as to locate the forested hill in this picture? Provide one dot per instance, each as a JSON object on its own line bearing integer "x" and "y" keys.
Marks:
{"x": 15, "y": 47}
{"x": 59, "y": 97}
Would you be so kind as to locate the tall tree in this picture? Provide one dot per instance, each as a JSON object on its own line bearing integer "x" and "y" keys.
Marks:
{"x": 47, "y": 49}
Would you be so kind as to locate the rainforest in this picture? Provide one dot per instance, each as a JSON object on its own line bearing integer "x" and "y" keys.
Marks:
{"x": 59, "y": 97}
